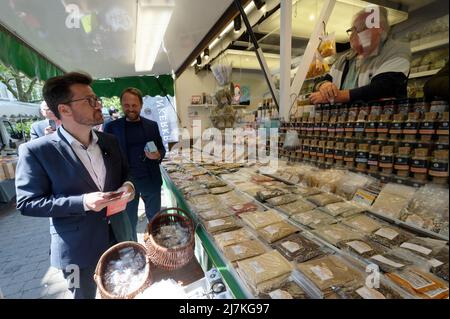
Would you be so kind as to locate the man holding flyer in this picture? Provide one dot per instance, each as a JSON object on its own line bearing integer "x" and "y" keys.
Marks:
{"x": 77, "y": 177}
{"x": 141, "y": 141}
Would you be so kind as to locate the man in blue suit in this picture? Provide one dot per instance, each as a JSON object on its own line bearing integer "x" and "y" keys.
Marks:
{"x": 42, "y": 128}
{"x": 133, "y": 133}
{"x": 70, "y": 176}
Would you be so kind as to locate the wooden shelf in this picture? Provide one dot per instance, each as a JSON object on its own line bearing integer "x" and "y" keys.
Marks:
{"x": 430, "y": 45}
{"x": 423, "y": 74}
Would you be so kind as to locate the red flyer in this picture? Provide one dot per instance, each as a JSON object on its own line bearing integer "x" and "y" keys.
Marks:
{"x": 118, "y": 206}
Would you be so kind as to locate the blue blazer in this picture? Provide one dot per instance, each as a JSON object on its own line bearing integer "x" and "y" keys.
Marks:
{"x": 37, "y": 129}
{"x": 50, "y": 182}
{"x": 151, "y": 131}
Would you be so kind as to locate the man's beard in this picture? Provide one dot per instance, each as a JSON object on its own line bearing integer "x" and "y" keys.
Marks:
{"x": 98, "y": 119}
{"x": 132, "y": 116}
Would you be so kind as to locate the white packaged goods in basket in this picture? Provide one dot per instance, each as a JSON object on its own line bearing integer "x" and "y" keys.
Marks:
{"x": 127, "y": 274}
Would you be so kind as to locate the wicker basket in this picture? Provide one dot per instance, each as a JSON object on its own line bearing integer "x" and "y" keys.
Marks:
{"x": 169, "y": 258}
{"x": 112, "y": 254}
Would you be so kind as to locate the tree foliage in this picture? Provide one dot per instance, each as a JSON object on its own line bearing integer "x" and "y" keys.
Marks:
{"x": 23, "y": 88}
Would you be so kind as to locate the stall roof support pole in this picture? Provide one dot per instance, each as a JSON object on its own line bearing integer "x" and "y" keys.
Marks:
{"x": 285, "y": 58}
{"x": 259, "y": 53}
{"x": 313, "y": 43}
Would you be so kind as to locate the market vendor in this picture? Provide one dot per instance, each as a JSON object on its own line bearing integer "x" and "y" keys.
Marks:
{"x": 375, "y": 67}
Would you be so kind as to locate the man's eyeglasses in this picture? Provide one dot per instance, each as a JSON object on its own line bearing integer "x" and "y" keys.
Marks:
{"x": 350, "y": 31}
{"x": 92, "y": 100}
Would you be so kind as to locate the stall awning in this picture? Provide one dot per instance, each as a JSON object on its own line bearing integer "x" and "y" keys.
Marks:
{"x": 149, "y": 85}
{"x": 19, "y": 56}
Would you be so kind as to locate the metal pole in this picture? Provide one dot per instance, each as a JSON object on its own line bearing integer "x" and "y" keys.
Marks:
{"x": 285, "y": 57}
{"x": 259, "y": 53}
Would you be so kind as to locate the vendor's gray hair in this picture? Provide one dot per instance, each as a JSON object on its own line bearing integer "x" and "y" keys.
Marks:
{"x": 374, "y": 13}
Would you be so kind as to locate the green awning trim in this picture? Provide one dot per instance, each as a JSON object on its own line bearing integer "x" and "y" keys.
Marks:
{"x": 149, "y": 85}
{"x": 22, "y": 58}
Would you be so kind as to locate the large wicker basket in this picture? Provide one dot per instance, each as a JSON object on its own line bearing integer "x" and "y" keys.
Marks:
{"x": 113, "y": 254}
{"x": 169, "y": 258}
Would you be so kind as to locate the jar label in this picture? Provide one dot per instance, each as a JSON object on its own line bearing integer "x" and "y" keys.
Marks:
{"x": 359, "y": 127}
{"x": 338, "y": 154}
{"x": 383, "y": 127}
{"x": 419, "y": 166}
{"x": 411, "y": 128}
{"x": 371, "y": 127}
{"x": 442, "y": 128}
{"x": 386, "y": 159}
{"x": 438, "y": 167}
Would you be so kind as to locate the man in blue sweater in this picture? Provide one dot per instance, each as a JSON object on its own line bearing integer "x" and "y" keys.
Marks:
{"x": 133, "y": 133}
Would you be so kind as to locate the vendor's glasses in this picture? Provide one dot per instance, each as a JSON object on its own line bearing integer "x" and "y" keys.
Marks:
{"x": 92, "y": 100}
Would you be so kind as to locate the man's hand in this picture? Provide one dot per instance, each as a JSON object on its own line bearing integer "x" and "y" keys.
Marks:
{"x": 317, "y": 98}
{"x": 127, "y": 190}
{"x": 343, "y": 96}
{"x": 329, "y": 91}
{"x": 153, "y": 156}
{"x": 97, "y": 201}
{"x": 49, "y": 130}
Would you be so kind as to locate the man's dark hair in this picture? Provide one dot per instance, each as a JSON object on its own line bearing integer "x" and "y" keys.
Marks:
{"x": 57, "y": 89}
{"x": 133, "y": 91}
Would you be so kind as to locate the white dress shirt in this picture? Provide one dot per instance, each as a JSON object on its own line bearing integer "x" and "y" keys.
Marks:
{"x": 91, "y": 157}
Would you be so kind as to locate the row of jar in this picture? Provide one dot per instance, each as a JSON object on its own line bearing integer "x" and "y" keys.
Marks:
{"x": 421, "y": 164}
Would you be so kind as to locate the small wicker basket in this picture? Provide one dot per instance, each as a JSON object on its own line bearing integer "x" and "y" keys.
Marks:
{"x": 169, "y": 258}
{"x": 112, "y": 254}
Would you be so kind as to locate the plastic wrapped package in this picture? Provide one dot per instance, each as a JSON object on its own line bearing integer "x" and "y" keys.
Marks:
{"x": 337, "y": 209}
{"x": 222, "y": 224}
{"x": 266, "y": 194}
{"x": 306, "y": 191}
{"x": 127, "y": 273}
{"x": 297, "y": 247}
{"x": 243, "y": 250}
{"x": 220, "y": 190}
{"x": 329, "y": 272}
{"x": 426, "y": 247}
{"x": 214, "y": 214}
{"x": 266, "y": 272}
{"x": 232, "y": 198}
{"x": 390, "y": 236}
{"x": 392, "y": 199}
{"x": 350, "y": 183}
{"x": 232, "y": 237}
{"x": 421, "y": 284}
{"x": 251, "y": 188}
{"x": 260, "y": 219}
{"x": 390, "y": 262}
{"x": 336, "y": 232}
{"x": 362, "y": 223}
{"x": 314, "y": 218}
{"x": 291, "y": 142}
{"x": 288, "y": 290}
{"x": 261, "y": 179}
{"x": 244, "y": 208}
{"x": 324, "y": 199}
{"x": 327, "y": 46}
{"x": 282, "y": 200}
{"x": 276, "y": 231}
{"x": 327, "y": 180}
{"x": 203, "y": 202}
{"x": 429, "y": 209}
{"x": 362, "y": 247}
{"x": 364, "y": 292}
{"x": 297, "y": 207}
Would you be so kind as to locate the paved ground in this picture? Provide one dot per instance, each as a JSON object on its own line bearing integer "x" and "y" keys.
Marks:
{"x": 25, "y": 271}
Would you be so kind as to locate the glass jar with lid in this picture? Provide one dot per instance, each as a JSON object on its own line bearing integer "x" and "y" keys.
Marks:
{"x": 439, "y": 167}
{"x": 372, "y": 162}
{"x": 402, "y": 159}
{"x": 349, "y": 155}
{"x": 386, "y": 160}
{"x": 362, "y": 157}
{"x": 419, "y": 164}
{"x": 329, "y": 152}
{"x": 339, "y": 154}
